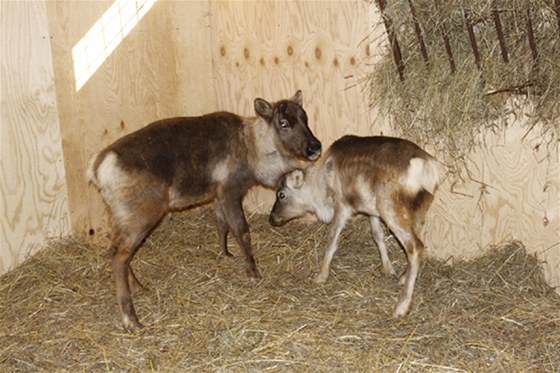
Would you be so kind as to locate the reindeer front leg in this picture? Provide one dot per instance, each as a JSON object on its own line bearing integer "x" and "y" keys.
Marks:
{"x": 341, "y": 216}
{"x": 379, "y": 238}
{"x": 230, "y": 203}
{"x": 223, "y": 229}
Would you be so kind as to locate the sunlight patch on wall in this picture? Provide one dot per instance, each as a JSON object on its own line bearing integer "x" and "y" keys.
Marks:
{"x": 105, "y": 35}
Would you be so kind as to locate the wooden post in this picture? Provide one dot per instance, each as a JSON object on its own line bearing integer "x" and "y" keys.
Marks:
{"x": 419, "y": 36}
{"x": 557, "y": 3}
{"x": 500, "y": 32}
{"x": 468, "y": 19}
{"x": 531, "y": 35}
{"x": 446, "y": 42}
{"x": 397, "y": 55}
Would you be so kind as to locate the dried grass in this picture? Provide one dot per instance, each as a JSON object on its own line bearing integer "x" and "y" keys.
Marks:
{"x": 451, "y": 112}
{"x": 58, "y": 311}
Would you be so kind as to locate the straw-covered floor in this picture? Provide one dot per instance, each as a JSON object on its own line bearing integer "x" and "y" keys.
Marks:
{"x": 58, "y": 311}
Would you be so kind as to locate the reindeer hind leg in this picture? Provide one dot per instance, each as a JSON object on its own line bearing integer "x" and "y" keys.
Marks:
{"x": 128, "y": 236}
{"x": 402, "y": 224}
{"x": 413, "y": 248}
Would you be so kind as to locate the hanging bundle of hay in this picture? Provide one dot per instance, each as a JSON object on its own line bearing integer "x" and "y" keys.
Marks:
{"x": 455, "y": 69}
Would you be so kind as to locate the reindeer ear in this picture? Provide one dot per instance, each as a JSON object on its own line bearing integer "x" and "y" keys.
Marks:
{"x": 263, "y": 108}
{"x": 329, "y": 169}
{"x": 329, "y": 166}
{"x": 297, "y": 98}
{"x": 294, "y": 180}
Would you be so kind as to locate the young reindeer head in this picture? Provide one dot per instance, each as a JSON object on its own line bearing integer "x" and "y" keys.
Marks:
{"x": 292, "y": 199}
{"x": 294, "y": 138}
{"x": 299, "y": 195}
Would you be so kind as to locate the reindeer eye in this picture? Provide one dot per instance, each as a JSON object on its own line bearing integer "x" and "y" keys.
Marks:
{"x": 284, "y": 124}
{"x": 281, "y": 195}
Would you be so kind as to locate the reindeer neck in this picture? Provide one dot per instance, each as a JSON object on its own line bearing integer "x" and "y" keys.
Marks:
{"x": 265, "y": 160}
{"x": 323, "y": 201}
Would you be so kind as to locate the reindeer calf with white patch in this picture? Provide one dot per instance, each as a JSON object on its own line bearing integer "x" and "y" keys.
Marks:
{"x": 391, "y": 180}
{"x": 177, "y": 163}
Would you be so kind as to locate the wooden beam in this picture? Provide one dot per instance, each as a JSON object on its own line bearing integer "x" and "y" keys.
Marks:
{"x": 557, "y": 3}
{"x": 419, "y": 35}
{"x": 531, "y": 35}
{"x": 446, "y": 42}
{"x": 500, "y": 32}
{"x": 472, "y": 38}
{"x": 397, "y": 55}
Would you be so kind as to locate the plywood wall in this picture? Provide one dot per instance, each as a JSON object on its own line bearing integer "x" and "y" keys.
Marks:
{"x": 33, "y": 188}
{"x": 513, "y": 193}
{"x": 192, "y": 57}
{"x": 161, "y": 69}
{"x": 271, "y": 49}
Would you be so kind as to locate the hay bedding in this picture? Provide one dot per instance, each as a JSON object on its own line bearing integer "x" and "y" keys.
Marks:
{"x": 58, "y": 311}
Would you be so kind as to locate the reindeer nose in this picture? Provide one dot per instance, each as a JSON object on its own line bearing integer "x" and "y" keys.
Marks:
{"x": 313, "y": 149}
{"x": 273, "y": 221}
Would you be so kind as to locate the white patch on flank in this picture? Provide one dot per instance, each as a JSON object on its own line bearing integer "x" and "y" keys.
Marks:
{"x": 413, "y": 178}
{"x": 108, "y": 172}
{"x": 222, "y": 171}
{"x": 112, "y": 180}
{"x": 431, "y": 175}
{"x": 421, "y": 174}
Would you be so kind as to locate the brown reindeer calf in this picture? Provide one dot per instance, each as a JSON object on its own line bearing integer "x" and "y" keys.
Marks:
{"x": 389, "y": 179}
{"x": 178, "y": 163}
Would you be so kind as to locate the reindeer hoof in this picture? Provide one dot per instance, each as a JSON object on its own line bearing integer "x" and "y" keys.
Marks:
{"x": 227, "y": 253}
{"x": 320, "y": 279}
{"x": 389, "y": 272}
{"x": 400, "y": 310}
{"x": 253, "y": 275}
{"x": 131, "y": 325}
